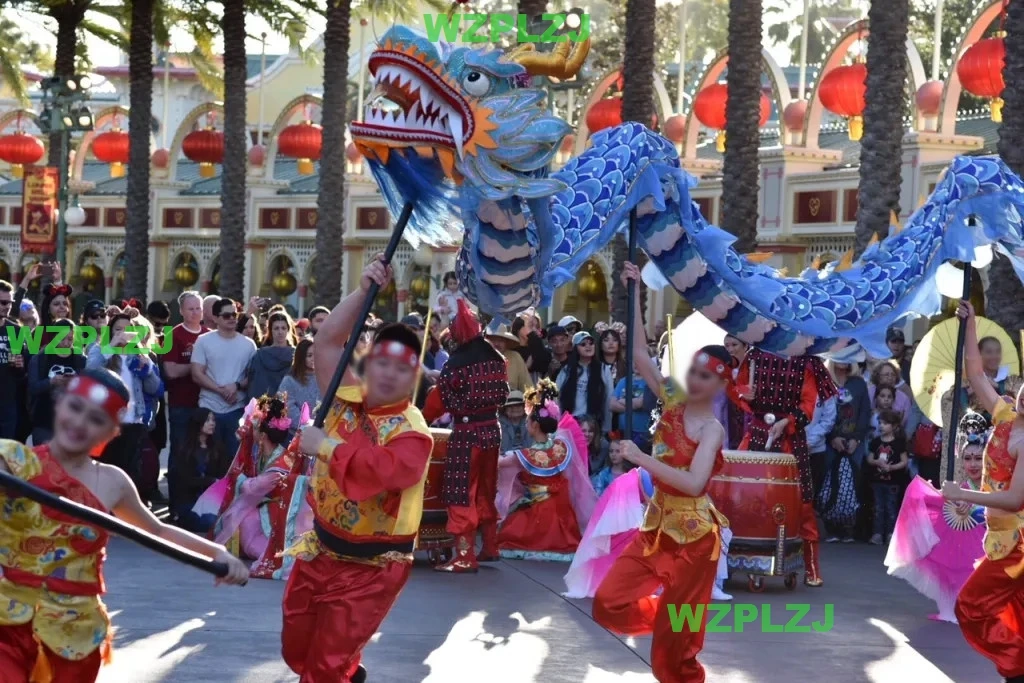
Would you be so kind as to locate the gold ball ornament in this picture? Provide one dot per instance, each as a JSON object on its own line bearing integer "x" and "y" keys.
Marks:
{"x": 121, "y": 275}
{"x": 420, "y": 287}
{"x": 91, "y": 273}
{"x": 312, "y": 283}
{"x": 186, "y": 275}
{"x": 589, "y": 287}
{"x": 283, "y": 284}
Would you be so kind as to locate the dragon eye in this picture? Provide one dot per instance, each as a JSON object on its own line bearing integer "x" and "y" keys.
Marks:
{"x": 476, "y": 84}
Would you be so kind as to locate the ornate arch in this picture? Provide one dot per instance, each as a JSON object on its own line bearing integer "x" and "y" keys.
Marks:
{"x": 180, "y": 250}
{"x": 286, "y": 118}
{"x": 983, "y": 17}
{"x": 662, "y": 105}
{"x": 7, "y": 118}
{"x": 207, "y": 271}
{"x": 187, "y": 126}
{"x": 776, "y": 79}
{"x": 835, "y": 56}
{"x": 107, "y": 115}
{"x": 101, "y": 254}
{"x": 274, "y": 255}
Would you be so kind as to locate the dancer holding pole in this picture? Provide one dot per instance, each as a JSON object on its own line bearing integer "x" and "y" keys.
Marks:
{"x": 989, "y": 607}
{"x": 53, "y": 625}
{"x": 371, "y": 458}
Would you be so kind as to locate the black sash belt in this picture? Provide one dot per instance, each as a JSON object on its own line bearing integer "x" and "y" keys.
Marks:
{"x": 340, "y": 546}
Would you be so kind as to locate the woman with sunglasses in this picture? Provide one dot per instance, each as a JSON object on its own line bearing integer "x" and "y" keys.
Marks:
{"x": 585, "y": 384}
{"x": 936, "y": 542}
{"x": 48, "y": 376}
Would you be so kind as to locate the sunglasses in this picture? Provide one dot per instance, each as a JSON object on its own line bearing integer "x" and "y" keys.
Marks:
{"x": 229, "y": 316}
{"x": 6, "y": 302}
{"x": 586, "y": 342}
{"x": 97, "y": 316}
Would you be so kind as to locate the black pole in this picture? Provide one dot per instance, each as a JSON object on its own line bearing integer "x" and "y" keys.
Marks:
{"x": 353, "y": 339}
{"x": 627, "y": 430}
{"x": 112, "y": 524}
{"x": 954, "y": 416}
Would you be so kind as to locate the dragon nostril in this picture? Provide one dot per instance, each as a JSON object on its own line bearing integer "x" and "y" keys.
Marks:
{"x": 972, "y": 221}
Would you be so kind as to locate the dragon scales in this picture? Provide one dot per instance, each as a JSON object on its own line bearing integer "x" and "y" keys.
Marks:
{"x": 461, "y": 134}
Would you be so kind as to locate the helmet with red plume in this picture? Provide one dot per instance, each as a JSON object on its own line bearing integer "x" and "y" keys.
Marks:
{"x": 465, "y": 327}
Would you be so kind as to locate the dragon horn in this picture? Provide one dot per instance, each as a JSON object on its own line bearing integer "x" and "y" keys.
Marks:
{"x": 562, "y": 63}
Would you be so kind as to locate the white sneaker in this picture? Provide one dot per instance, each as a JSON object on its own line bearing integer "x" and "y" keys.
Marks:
{"x": 832, "y": 539}
{"x": 718, "y": 594}
{"x": 876, "y": 539}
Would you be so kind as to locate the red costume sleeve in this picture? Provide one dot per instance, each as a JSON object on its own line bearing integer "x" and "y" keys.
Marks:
{"x": 808, "y": 401}
{"x": 363, "y": 470}
{"x": 742, "y": 380}
{"x": 433, "y": 409}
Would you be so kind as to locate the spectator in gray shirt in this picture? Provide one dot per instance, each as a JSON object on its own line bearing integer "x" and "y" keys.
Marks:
{"x": 513, "y": 423}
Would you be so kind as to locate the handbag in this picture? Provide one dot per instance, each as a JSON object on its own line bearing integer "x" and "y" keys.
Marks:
{"x": 927, "y": 441}
{"x": 837, "y": 500}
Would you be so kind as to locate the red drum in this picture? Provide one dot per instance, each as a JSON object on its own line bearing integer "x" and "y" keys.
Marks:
{"x": 760, "y": 495}
{"x": 433, "y": 536}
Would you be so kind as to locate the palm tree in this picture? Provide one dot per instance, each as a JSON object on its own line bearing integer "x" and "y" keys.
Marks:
{"x": 17, "y": 51}
{"x": 881, "y": 155}
{"x": 330, "y": 211}
{"x": 1005, "y": 296}
{"x": 232, "y": 194}
{"x": 140, "y": 116}
{"x": 741, "y": 171}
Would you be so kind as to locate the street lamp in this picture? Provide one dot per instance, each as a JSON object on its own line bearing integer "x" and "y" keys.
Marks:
{"x": 64, "y": 112}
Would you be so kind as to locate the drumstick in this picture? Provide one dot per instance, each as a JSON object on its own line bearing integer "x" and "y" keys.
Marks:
{"x": 423, "y": 355}
{"x": 671, "y": 350}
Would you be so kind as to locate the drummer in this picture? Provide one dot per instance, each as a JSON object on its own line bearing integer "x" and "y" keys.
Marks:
{"x": 472, "y": 387}
{"x": 680, "y": 542}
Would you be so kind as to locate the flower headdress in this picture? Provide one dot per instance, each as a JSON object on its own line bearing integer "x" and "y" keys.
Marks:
{"x": 268, "y": 412}
{"x": 543, "y": 399}
{"x": 974, "y": 430}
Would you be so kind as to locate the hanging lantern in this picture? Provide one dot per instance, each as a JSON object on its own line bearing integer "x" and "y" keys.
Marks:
{"x": 257, "y": 155}
{"x": 91, "y": 274}
{"x": 929, "y": 99}
{"x": 794, "y": 115}
{"x": 842, "y": 92}
{"x": 302, "y": 141}
{"x": 186, "y": 274}
{"x": 205, "y": 147}
{"x": 981, "y": 71}
{"x": 420, "y": 287}
{"x": 710, "y": 106}
{"x": 283, "y": 284}
{"x": 20, "y": 149}
{"x": 111, "y": 148}
{"x": 675, "y": 128}
{"x": 604, "y": 114}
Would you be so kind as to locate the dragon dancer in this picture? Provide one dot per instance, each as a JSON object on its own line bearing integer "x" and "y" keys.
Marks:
{"x": 680, "y": 541}
{"x": 780, "y": 395}
{"x": 472, "y": 387}
{"x": 53, "y": 625}
{"x": 366, "y": 492}
{"x": 990, "y": 606}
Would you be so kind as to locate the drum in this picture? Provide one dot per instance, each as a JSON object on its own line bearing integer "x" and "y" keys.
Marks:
{"x": 760, "y": 495}
{"x": 433, "y": 536}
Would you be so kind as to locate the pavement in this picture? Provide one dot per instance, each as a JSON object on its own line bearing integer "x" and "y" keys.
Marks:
{"x": 509, "y": 624}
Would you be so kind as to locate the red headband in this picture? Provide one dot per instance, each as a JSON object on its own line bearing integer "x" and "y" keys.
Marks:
{"x": 703, "y": 359}
{"x": 98, "y": 394}
{"x": 397, "y": 350}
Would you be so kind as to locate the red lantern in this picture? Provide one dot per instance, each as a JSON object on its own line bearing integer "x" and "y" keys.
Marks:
{"x": 206, "y": 147}
{"x": 604, "y": 114}
{"x": 19, "y": 150}
{"x": 842, "y": 92}
{"x": 929, "y": 98}
{"x": 709, "y": 108}
{"x": 302, "y": 141}
{"x": 112, "y": 148}
{"x": 981, "y": 72}
{"x": 675, "y": 128}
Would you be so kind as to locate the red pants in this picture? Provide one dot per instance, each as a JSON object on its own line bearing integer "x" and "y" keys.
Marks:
{"x": 624, "y": 603}
{"x": 331, "y": 610}
{"x": 483, "y": 489}
{"x": 19, "y": 652}
{"x": 990, "y": 609}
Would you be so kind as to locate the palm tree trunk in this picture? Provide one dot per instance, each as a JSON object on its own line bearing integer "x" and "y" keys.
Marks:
{"x": 741, "y": 171}
{"x": 637, "y": 105}
{"x": 68, "y": 16}
{"x": 140, "y": 70}
{"x": 232, "y": 197}
{"x": 532, "y": 8}
{"x": 881, "y": 150}
{"x": 330, "y": 211}
{"x": 1005, "y": 295}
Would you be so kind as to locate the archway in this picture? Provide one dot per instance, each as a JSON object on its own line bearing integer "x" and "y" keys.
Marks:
{"x": 185, "y": 272}
{"x": 283, "y": 283}
{"x": 976, "y": 28}
{"x": 662, "y": 102}
{"x": 90, "y": 280}
{"x": 587, "y": 297}
{"x": 836, "y": 57}
{"x": 212, "y": 111}
{"x": 303, "y": 108}
{"x": 106, "y": 120}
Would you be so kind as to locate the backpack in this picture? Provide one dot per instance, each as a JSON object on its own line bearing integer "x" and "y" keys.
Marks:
{"x": 927, "y": 441}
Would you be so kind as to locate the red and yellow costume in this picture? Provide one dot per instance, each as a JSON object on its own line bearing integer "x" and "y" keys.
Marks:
{"x": 677, "y": 549}
{"x": 53, "y": 625}
{"x": 472, "y": 387}
{"x": 367, "y": 498}
{"x": 990, "y": 607}
{"x": 786, "y": 388}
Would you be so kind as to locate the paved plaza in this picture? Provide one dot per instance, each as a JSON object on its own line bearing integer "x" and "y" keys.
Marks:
{"x": 509, "y": 623}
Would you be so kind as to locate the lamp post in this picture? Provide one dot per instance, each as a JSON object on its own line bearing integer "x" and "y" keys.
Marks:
{"x": 64, "y": 112}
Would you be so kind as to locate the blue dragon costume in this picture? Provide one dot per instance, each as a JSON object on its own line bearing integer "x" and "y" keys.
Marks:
{"x": 461, "y": 134}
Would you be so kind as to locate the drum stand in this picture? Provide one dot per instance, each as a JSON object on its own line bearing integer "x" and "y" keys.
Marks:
{"x": 755, "y": 582}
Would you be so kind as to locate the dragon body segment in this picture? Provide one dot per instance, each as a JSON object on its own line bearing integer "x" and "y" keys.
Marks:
{"x": 460, "y": 133}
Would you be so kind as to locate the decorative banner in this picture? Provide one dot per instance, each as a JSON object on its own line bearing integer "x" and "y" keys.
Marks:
{"x": 3, "y": 215}
{"x": 178, "y": 218}
{"x": 307, "y": 219}
{"x": 115, "y": 218}
{"x": 39, "y": 210}
{"x": 375, "y": 218}
{"x": 276, "y": 219}
{"x": 707, "y": 207}
{"x": 92, "y": 217}
{"x": 814, "y": 207}
{"x": 851, "y": 202}
{"x": 209, "y": 218}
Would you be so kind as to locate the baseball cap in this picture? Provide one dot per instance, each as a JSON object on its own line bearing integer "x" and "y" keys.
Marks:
{"x": 413, "y": 320}
{"x": 556, "y": 331}
{"x": 569, "y": 320}
{"x": 894, "y": 334}
{"x": 94, "y": 307}
{"x": 581, "y": 337}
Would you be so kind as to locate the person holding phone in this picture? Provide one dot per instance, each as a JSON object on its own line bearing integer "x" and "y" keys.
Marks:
{"x": 48, "y": 377}
{"x": 12, "y": 365}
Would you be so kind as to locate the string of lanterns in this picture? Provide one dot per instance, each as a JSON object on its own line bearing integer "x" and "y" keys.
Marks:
{"x": 710, "y": 109}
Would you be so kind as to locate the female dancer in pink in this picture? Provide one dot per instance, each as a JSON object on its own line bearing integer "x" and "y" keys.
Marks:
{"x": 936, "y": 542}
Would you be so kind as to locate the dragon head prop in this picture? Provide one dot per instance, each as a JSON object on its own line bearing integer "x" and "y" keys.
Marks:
{"x": 442, "y": 117}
